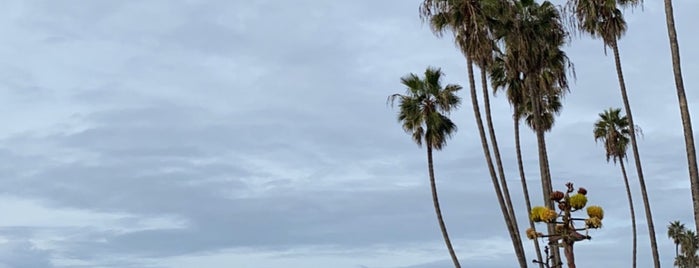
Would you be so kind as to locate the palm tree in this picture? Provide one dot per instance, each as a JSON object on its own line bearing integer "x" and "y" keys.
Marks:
{"x": 684, "y": 110}
{"x": 423, "y": 111}
{"x": 603, "y": 19}
{"x": 532, "y": 42}
{"x": 689, "y": 242}
{"x": 467, "y": 21}
{"x": 675, "y": 231}
{"x": 532, "y": 36}
{"x": 613, "y": 130}
{"x": 502, "y": 79}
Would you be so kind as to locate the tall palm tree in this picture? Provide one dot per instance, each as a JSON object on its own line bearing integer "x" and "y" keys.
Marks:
{"x": 675, "y": 231}
{"x": 603, "y": 19}
{"x": 507, "y": 80}
{"x": 423, "y": 113}
{"x": 533, "y": 40}
{"x": 684, "y": 110}
{"x": 613, "y": 130}
{"x": 532, "y": 36}
{"x": 467, "y": 21}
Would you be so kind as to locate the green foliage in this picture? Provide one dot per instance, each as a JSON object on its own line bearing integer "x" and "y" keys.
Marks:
{"x": 613, "y": 129}
{"x": 531, "y": 66}
{"x": 688, "y": 243}
{"x": 600, "y": 18}
{"x": 424, "y": 106}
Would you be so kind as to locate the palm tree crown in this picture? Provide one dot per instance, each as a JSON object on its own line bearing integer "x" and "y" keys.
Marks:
{"x": 424, "y": 107}
{"x": 675, "y": 231}
{"x": 613, "y": 130}
{"x": 689, "y": 243}
{"x": 601, "y": 18}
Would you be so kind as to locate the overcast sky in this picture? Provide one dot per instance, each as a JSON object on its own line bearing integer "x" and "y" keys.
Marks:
{"x": 256, "y": 134}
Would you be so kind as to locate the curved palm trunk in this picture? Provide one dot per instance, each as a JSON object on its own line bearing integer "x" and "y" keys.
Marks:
{"x": 684, "y": 110}
{"x": 633, "y": 214}
{"x": 498, "y": 160}
{"x": 637, "y": 158}
{"x": 525, "y": 189}
{"x": 489, "y": 161}
{"x": 437, "y": 210}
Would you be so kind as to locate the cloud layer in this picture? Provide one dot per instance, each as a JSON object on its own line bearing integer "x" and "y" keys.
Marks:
{"x": 230, "y": 133}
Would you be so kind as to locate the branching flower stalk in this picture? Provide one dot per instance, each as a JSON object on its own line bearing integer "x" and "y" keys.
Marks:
{"x": 565, "y": 233}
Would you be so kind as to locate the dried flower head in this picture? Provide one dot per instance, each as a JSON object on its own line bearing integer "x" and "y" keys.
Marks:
{"x": 582, "y": 191}
{"x": 563, "y": 206}
{"x": 595, "y": 212}
{"x": 578, "y": 201}
{"x": 557, "y": 196}
{"x": 559, "y": 228}
{"x": 593, "y": 223}
{"x": 532, "y": 234}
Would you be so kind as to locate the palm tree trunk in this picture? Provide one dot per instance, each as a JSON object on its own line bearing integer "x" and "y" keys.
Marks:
{"x": 489, "y": 161}
{"x": 544, "y": 166}
{"x": 637, "y": 158}
{"x": 633, "y": 214}
{"x": 525, "y": 189}
{"x": 498, "y": 160}
{"x": 437, "y": 210}
{"x": 677, "y": 250}
{"x": 547, "y": 188}
{"x": 684, "y": 110}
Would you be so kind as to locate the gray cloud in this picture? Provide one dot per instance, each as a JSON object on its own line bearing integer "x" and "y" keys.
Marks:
{"x": 191, "y": 134}
{"x": 22, "y": 254}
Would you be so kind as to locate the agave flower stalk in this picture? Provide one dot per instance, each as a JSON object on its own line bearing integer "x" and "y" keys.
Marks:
{"x": 565, "y": 233}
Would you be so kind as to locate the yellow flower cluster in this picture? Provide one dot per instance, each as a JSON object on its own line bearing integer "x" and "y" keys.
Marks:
{"x": 595, "y": 212}
{"x": 539, "y": 214}
{"x": 535, "y": 214}
{"x": 578, "y": 201}
{"x": 593, "y": 223}
{"x": 549, "y": 215}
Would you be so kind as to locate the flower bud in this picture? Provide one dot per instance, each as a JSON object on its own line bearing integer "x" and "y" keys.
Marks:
{"x": 582, "y": 191}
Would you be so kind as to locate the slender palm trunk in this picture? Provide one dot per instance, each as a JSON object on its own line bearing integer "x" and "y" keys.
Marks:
{"x": 437, "y": 210}
{"x": 547, "y": 186}
{"x": 677, "y": 249}
{"x": 684, "y": 110}
{"x": 637, "y": 158}
{"x": 489, "y": 162}
{"x": 544, "y": 166}
{"x": 498, "y": 160}
{"x": 633, "y": 214}
{"x": 525, "y": 189}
